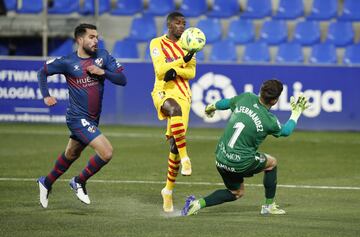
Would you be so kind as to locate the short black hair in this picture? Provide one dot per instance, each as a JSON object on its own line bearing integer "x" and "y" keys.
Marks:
{"x": 80, "y": 30}
{"x": 172, "y": 16}
{"x": 271, "y": 90}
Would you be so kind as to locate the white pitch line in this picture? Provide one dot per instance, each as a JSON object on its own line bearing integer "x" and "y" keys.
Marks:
{"x": 189, "y": 183}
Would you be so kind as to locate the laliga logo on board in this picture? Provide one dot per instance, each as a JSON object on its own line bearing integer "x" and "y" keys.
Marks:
{"x": 209, "y": 89}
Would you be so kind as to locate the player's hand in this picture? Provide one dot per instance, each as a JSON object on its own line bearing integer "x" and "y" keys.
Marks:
{"x": 95, "y": 70}
{"x": 210, "y": 110}
{"x": 170, "y": 75}
{"x": 50, "y": 101}
{"x": 189, "y": 56}
{"x": 298, "y": 106}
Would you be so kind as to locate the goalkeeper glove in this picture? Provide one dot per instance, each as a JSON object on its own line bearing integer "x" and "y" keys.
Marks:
{"x": 210, "y": 110}
{"x": 170, "y": 75}
{"x": 298, "y": 107}
{"x": 189, "y": 56}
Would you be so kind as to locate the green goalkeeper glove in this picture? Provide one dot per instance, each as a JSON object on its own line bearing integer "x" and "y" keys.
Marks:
{"x": 298, "y": 107}
{"x": 210, "y": 110}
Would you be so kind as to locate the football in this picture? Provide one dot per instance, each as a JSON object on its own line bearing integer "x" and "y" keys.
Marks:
{"x": 193, "y": 39}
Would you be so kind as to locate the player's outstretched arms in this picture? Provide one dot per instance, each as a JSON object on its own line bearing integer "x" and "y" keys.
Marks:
{"x": 50, "y": 100}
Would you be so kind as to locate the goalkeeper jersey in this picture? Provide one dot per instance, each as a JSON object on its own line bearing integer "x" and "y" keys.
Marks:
{"x": 249, "y": 124}
{"x": 167, "y": 54}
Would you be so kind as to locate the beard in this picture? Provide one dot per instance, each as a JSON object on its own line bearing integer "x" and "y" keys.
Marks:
{"x": 89, "y": 51}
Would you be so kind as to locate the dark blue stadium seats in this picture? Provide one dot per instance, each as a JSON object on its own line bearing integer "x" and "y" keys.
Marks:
{"x": 4, "y": 50}
{"x": 126, "y": 48}
{"x": 143, "y": 28}
{"x": 30, "y": 7}
{"x": 352, "y": 54}
{"x": 290, "y": 9}
{"x": 191, "y": 8}
{"x": 323, "y": 10}
{"x": 224, "y": 8}
{"x": 274, "y": 32}
{"x": 10, "y": 5}
{"x": 88, "y": 8}
{"x": 257, "y": 9}
{"x": 257, "y": 52}
{"x": 127, "y": 7}
{"x": 212, "y": 29}
{"x": 324, "y": 53}
{"x": 340, "y": 33}
{"x": 65, "y": 48}
{"x": 241, "y": 31}
{"x": 307, "y": 32}
{"x": 351, "y": 10}
{"x": 290, "y": 53}
{"x": 63, "y": 7}
{"x": 160, "y": 7}
{"x": 147, "y": 56}
{"x": 223, "y": 51}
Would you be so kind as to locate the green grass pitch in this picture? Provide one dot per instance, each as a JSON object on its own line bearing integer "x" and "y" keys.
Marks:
{"x": 318, "y": 177}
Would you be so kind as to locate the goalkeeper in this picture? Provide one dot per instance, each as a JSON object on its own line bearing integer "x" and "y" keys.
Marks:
{"x": 236, "y": 152}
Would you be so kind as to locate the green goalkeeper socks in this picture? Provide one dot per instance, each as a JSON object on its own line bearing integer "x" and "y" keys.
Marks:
{"x": 270, "y": 181}
{"x": 217, "y": 197}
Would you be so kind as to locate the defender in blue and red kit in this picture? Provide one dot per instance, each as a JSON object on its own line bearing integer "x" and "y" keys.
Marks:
{"x": 86, "y": 71}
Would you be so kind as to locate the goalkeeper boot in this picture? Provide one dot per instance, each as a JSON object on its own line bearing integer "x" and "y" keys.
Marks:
{"x": 80, "y": 191}
{"x": 167, "y": 200}
{"x": 186, "y": 207}
{"x": 44, "y": 192}
{"x": 186, "y": 166}
{"x": 272, "y": 209}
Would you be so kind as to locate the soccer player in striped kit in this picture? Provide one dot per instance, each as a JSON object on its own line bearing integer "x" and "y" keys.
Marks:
{"x": 171, "y": 95}
{"x": 85, "y": 71}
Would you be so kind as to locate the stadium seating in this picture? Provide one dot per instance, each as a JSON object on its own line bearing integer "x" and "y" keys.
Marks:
{"x": 257, "y": 52}
{"x": 323, "y": 53}
{"x": 212, "y": 29}
{"x": 274, "y": 32}
{"x": 200, "y": 56}
{"x": 160, "y": 7}
{"x": 307, "y": 32}
{"x": 352, "y": 55}
{"x": 290, "y": 53}
{"x": 10, "y": 5}
{"x": 223, "y": 51}
{"x": 241, "y": 31}
{"x": 323, "y": 10}
{"x": 351, "y": 10}
{"x": 30, "y": 7}
{"x": 340, "y": 33}
{"x": 257, "y": 9}
{"x": 63, "y": 7}
{"x": 127, "y": 7}
{"x": 290, "y": 9}
{"x": 65, "y": 48}
{"x": 143, "y": 28}
{"x": 126, "y": 48}
{"x": 191, "y": 8}
{"x": 4, "y": 50}
{"x": 224, "y": 8}
{"x": 88, "y": 7}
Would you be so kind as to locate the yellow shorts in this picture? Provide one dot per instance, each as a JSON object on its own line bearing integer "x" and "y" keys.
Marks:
{"x": 159, "y": 99}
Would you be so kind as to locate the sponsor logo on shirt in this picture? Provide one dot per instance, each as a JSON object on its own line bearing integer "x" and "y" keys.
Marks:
{"x": 99, "y": 62}
{"x": 91, "y": 129}
{"x": 76, "y": 67}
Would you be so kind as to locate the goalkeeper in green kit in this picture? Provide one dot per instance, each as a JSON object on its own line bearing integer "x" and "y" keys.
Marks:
{"x": 236, "y": 152}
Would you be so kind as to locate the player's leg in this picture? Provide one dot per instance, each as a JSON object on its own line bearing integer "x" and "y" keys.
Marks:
{"x": 235, "y": 189}
{"x": 103, "y": 155}
{"x": 270, "y": 182}
{"x": 62, "y": 164}
{"x": 171, "y": 108}
{"x": 173, "y": 168}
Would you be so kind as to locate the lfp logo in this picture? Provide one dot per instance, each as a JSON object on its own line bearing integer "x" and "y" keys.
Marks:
{"x": 209, "y": 89}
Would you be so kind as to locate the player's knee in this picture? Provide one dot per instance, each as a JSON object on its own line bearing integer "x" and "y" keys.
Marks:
{"x": 238, "y": 193}
{"x": 107, "y": 154}
{"x": 72, "y": 154}
{"x": 175, "y": 111}
{"x": 173, "y": 147}
{"x": 271, "y": 163}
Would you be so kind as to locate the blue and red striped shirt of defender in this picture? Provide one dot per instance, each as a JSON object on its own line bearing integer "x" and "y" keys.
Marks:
{"x": 85, "y": 90}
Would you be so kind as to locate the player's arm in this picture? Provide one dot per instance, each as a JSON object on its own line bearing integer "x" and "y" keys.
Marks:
{"x": 51, "y": 67}
{"x": 223, "y": 104}
{"x": 189, "y": 71}
{"x": 161, "y": 67}
{"x": 112, "y": 71}
{"x": 297, "y": 108}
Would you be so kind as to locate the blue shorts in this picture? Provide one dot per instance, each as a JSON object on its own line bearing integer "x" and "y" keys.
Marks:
{"x": 82, "y": 130}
